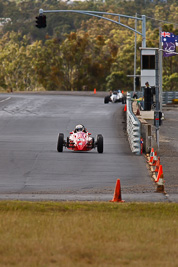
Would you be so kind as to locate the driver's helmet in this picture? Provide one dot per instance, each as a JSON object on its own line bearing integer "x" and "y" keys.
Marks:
{"x": 79, "y": 128}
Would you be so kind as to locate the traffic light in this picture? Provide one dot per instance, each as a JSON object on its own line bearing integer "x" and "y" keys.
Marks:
{"x": 41, "y": 21}
{"x": 158, "y": 118}
{"x": 44, "y": 21}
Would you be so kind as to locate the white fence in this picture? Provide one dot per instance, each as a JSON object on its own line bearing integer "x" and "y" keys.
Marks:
{"x": 133, "y": 128}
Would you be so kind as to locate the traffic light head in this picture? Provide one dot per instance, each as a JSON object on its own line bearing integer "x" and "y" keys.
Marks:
{"x": 38, "y": 22}
{"x": 41, "y": 21}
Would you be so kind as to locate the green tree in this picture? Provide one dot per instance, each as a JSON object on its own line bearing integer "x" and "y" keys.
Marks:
{"x": 116, "y": 81}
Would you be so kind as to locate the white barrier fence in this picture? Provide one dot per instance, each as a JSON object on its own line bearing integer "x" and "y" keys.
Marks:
{"x": 133, "y": 128}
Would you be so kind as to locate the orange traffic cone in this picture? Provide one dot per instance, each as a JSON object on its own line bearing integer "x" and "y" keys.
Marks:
{"x": 95, "y": 91}
{"x": 160, "y": 173}
{"x": 117, "y": 194}
{"x": 160, "y": 181}
{"x": 153, "y": 163}
{"x": 151, "y": 160}
{"x": 152, "y": 151}
{"x": 155, "y": 158}
{"x": 151, "y": 156}
{"x": 157, "y": 165}
{"x": 155, "y": 169}
{"x": 125, "y": 108}
{"x": 160, "y": 185}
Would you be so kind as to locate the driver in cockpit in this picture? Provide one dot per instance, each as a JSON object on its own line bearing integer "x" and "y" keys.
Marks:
{"x": 80, "y": 128}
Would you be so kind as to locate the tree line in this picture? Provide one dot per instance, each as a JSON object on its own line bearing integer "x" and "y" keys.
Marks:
{"x": 75, "y": 52}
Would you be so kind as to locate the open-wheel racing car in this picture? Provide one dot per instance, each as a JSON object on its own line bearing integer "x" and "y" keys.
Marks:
{"x": 80, "y": 140}
{"x": 114, "y": 97}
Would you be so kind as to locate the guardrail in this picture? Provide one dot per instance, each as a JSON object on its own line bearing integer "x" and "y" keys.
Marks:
{"x": 133, "y": 128}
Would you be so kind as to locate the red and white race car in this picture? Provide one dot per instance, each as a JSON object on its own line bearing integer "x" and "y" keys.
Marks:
{"x": 80, "y": 140}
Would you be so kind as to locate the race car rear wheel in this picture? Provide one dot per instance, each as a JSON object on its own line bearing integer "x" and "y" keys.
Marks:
{"x": 60, "y": 142}
{"x": 67, "y": 141}
{"x": 93, "y": 142}
{"x": 100, "y": 143}
{"x": 124, "y": 100}
{"x": 107, "y": 99}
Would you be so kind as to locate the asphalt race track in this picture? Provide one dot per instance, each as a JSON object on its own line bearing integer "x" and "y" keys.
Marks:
{"x": 32, "y": 169}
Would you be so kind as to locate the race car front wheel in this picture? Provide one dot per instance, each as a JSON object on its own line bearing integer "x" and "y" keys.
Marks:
{"x": 60, "y": 142}
{"x": 100, "y": 143}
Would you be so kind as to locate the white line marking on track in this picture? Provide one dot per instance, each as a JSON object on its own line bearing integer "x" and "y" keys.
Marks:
{"x": 5, "y": 99}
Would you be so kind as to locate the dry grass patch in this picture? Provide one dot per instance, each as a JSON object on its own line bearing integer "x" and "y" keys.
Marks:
{"x": 88, "y": 234}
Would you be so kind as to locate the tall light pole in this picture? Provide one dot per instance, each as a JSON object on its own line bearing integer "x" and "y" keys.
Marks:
{"x": 160, "y": 67}
{"x": 98, "y": 14}
{"x": 143, "y": 31}
{"x": 135, "y": 55}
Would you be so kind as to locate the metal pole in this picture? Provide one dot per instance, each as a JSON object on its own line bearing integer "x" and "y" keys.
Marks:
{"x": 160, "y": 67}
{"x": 135, "y": 55}
{"x": 92, "y": 13}
{"x": 157, "y": 96}
{"x": 143, "y": 31}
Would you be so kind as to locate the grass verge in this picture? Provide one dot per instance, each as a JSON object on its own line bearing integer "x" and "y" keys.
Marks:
{"x": 88, "y": 234}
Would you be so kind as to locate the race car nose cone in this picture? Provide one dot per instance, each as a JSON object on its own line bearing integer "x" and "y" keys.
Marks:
{"x": 80, "y": 145}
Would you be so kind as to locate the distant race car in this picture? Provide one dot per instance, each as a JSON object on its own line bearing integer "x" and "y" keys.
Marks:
{"x": 116, "y": 96}
{"x": 80, "y": 140}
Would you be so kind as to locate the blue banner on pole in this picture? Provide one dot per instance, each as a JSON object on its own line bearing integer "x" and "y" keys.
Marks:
{"x": 169, "y": 49}
{"x": 169, "y": 41}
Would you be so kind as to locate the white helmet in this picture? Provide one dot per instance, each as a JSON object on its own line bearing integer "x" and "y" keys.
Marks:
{"x": 79, "y": 128}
